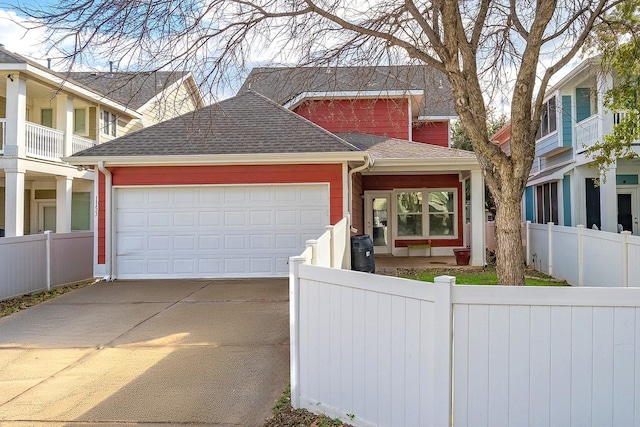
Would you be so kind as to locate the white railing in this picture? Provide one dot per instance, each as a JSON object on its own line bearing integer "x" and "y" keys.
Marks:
{"x": 79, "y": 143}
{"x": 3, "y": 134}
{"x": 587, "y": 132}
{"x": 44, "y": 142}
{"x": 584, "y": 257}
{"x": 383, "y": 351}
{"x": 41, "y": 261}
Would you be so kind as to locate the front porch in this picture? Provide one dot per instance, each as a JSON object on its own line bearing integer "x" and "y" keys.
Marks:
{"x": 389, "y": 265}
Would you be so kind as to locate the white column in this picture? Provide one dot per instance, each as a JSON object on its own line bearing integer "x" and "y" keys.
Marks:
{"x": 16, "y": 116}
{"x": 64, "y": 121}
{"x": 63, "y": 204}
{"x": 609, "y": 201}
{"x": 14, "y": 202}
{"x": 477, "y": 218}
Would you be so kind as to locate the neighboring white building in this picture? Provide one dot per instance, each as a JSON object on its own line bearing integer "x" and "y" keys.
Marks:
{"x": 46, "y": 116}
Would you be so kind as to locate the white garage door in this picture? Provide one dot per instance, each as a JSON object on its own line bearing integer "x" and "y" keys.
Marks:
{"x": 220, "y": 231}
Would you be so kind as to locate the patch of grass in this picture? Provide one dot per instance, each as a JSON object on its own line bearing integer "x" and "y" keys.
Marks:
{"x": 486, "y": 276}
{"x": 285, "y": 416}
{"x": 13, "y": 305}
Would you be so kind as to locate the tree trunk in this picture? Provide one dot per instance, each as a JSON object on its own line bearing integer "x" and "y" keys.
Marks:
{"x": 509, "y": 254}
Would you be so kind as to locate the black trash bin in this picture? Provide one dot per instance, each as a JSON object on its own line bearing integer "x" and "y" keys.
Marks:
{"x": 362, "y": 258}
{"x": 1, "y": 232}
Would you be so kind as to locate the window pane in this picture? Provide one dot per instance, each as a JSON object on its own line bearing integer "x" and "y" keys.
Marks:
{"x": 105, "y": 122}
{"x": 410, "y": 225}
{"x": 114, "y": 125}
{"x": 441, "y": 224}
{"x": 410, "y": 202}
{"x": 79, "y": 120}
{"x": 47, "y": 117}
{"x": 552, "y": 114}
{"x": 441, "y": 201}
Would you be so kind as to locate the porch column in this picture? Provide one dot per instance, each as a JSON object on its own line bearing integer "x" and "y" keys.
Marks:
{"x": 63, "y": 204}
{"x": 609, "y": 201}
{"x": 477, "y": 218}
{"x": 64, "y": 121}
{"x": 14, "y": 202}
{"x": 14, "y": 144}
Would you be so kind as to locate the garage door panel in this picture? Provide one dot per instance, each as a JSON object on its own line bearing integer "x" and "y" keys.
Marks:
{"x": 235, "y": 218}
{"x": 216, "y": 231}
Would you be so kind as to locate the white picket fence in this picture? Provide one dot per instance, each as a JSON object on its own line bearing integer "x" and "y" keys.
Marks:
{"x": 584, "y": 257}
{"x": 42, "y": 261}
{"x": 383, "y": 351}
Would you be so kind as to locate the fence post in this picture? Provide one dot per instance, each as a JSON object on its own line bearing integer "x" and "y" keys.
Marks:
{"x": 550, "y": 234}
{"x": 443, "y": 342}
{"x": 332, "y": 251}
{"x": 313, "y": 244}
{"x": 580, "y": 255}
{"x": 294, "y": 327}
{"x": 625, "y": 258}
{"x": 528, "y": 237}
{"x": 47, "y": 235}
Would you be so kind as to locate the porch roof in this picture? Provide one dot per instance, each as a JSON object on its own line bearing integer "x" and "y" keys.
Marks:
{"x": 381, "y": 147}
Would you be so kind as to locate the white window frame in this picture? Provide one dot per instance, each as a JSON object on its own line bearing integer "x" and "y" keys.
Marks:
{"x": 426, "y": 216}
{"x": 549, "y": 114}
{"x": 109, "y": 124}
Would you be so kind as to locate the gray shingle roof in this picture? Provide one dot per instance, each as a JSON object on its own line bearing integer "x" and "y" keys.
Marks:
{"x": 248, "y": 123}
{"x": 283, "y": 83}
{"x": 381, "y": 147}
{"x": 130, "y": 89}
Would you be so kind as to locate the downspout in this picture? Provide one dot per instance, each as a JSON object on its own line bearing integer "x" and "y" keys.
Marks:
{"x": 107, "y": 220}
{"x": 368, "y": 162}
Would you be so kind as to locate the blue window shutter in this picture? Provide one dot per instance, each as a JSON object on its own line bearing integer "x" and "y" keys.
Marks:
{"x": 566, "y": 199}
{"x": 567, "y": 123}
{"x": 583, "y": 103}
{"x": 528, "y": 203}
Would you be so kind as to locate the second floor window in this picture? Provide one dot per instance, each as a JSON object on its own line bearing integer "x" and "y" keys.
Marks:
{"x": 109, "y": 123}
{"x": 79, "y": 120}
{"x": 46, "y": 117}
{"x": 548, "y": 121}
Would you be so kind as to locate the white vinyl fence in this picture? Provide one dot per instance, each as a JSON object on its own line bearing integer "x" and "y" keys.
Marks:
{"x": 584, "y": 257}
{"x": 42, "y": 261}
{"x": 332, "y": 249}
{"x": 383, "y": 351}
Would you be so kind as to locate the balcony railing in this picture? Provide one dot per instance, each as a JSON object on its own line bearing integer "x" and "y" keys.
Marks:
{"x": 79, "y": 143}
{"x": 587, "y": 132}
{"x": 3, "y": 132}
{"x": 44, "y": 142}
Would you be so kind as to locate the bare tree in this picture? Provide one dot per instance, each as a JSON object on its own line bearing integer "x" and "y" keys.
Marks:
{"x": 478, "y": 44}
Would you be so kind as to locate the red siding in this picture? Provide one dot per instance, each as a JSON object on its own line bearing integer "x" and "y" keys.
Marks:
{"x": 391, "y": 182}
{"x": 357, "y": 216}
{"x": 435, "y": 133}
{"x": 196, "y": 175}
{"x": 385, "y": 117}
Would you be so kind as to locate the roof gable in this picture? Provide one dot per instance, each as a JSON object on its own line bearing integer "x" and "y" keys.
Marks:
{"x": 248, "y": 123}
{"x": 131, "y": 89}
{"x": 283, "y": 84}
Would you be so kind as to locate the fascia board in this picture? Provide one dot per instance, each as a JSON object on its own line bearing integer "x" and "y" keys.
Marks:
{"x": 70, "y": 87}
{"x": 214, "y": 159}
{"x": 437, "y": 118}
{"x": 420, "y": 165}
{"x": 351, "y": 94}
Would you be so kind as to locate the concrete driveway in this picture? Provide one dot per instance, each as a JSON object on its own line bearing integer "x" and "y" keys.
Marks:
{"x": 162, "y": 352}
